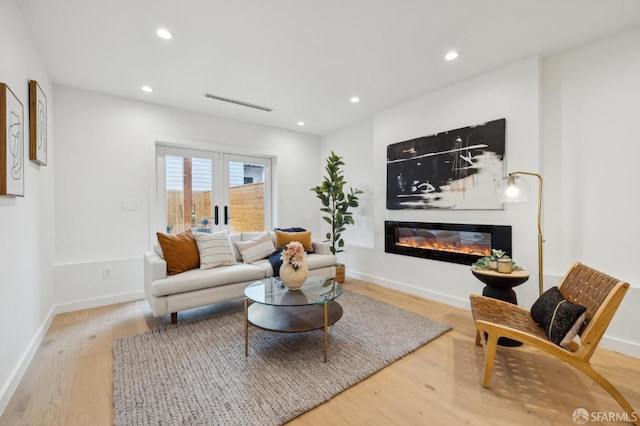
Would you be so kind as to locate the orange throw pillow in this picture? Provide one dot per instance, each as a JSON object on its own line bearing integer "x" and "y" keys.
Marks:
{"x": 284, "y": 238}
{"x": 180, "y": 251}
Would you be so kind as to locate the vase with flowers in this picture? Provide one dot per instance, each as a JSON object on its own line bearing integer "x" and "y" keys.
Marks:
{"x": 294, "y": 270}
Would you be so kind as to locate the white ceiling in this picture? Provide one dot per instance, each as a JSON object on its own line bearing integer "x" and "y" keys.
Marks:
{"x": 302, "y": 58}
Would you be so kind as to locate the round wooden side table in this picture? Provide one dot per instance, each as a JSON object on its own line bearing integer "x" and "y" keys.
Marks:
{"x": 500, "y": 285}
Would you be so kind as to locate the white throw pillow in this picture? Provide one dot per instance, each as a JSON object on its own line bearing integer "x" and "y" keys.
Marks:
{"x": 257, "y": 248}
{"x": 215, "y": 249}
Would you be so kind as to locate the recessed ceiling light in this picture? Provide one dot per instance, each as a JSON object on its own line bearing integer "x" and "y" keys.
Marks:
{"x": 146, "y": 89}
{"x": 355, "y": 99}
{"x": 451, "y": 55}
{"x": 164, "y": 33}
{"x": 300, "y": 123}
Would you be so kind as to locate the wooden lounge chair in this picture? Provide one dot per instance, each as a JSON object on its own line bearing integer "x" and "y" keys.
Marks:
{"x": 601, "y": 294}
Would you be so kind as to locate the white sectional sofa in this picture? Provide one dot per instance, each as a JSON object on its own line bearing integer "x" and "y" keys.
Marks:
{"x": 200, "y": 287}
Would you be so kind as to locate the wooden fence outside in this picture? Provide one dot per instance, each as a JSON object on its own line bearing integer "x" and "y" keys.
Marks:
{"x": 246, "y": 209}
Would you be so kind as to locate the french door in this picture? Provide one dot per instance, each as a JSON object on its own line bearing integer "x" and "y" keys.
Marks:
{"x": 208, "y": 191}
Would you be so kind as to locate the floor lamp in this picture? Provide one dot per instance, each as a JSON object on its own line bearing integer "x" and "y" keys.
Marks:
{"x": 512, "y": 189}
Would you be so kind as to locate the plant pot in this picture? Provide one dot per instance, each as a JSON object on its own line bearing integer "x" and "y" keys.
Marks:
{"x": 505, "y": 266}
{"x": 292, "y": 278}
{"x": 340, "y": 268}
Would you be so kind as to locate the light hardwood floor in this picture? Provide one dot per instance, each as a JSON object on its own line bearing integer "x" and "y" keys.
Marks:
{"x": 70, "y": 380}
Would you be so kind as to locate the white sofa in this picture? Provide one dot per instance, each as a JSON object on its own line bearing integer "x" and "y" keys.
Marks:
{"x": 201, "y": 287}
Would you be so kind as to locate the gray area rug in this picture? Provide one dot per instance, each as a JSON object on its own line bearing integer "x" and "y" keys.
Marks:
{"x": 197, "y": 374}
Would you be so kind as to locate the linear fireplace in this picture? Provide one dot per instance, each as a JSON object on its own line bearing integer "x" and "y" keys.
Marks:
{"x": 448, "y": 242}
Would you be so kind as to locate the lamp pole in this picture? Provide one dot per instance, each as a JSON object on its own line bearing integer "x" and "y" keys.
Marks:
{"x": 540, "y": 239}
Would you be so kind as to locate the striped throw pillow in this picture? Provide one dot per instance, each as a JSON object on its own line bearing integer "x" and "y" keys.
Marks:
{"x": 256, "y": 248}
{"x": 215, "y": 249}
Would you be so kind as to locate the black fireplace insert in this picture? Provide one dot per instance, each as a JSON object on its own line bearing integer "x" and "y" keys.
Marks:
{"x": 448, "y": 242}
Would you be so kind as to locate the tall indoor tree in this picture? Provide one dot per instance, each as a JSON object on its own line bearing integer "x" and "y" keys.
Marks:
{"x": 335, "y": 202}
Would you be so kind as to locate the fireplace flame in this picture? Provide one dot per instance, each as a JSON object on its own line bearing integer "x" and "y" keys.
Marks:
{"x": 454, "y": 247}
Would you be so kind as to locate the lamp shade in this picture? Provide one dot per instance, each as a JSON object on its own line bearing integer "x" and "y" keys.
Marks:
{"x": 512, "y": 189}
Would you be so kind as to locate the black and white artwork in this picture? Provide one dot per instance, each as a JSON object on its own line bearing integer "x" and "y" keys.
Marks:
{"x": 37, "y": 124}
{"x": 11, "y": 143}
{"x": 457, "y": 169}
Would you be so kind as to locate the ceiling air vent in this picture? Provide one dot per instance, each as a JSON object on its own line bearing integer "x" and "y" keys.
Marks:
{"x": 234, "y": 101}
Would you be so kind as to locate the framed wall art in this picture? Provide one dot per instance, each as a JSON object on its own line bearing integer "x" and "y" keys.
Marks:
{"x": 455, "y": 170}
{"x": 37, "y": 124}
{"x": 11, "y": 143}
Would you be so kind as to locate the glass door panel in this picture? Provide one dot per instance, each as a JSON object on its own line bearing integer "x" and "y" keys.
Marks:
{"x": 189, "y": 182}
{"x": 186, "y": 189}
{"x": 248, "y": 193}
{"x": 207, "y": 191}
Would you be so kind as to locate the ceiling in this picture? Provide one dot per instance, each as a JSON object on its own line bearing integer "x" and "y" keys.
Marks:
{"x": 305, "y": 59}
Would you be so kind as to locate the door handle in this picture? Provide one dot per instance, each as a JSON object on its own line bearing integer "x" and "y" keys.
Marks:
{"x": 226, "y": 215}
{"x": 216, "y": 218}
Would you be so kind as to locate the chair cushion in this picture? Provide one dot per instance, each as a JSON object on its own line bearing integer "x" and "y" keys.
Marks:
{"x": 215, "y": 249}
{"x": 179, "y": 251}
{"x": 318, "y": 261}
{"x": 198, "y": 279}
{"x": 560, "y": 319}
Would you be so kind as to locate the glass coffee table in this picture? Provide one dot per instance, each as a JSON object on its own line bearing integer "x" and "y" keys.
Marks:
{"x": 271, "y": 306}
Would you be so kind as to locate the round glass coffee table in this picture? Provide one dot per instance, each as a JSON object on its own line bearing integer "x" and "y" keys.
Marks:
{"x": 271, "y": 306}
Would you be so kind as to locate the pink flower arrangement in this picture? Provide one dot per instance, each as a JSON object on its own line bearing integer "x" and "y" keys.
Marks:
{"x": 294, "y": 254}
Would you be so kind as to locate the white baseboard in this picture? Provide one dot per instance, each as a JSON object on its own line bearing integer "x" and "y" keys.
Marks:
{"x": 98, "y": 301}
{"x": 16, "y": 375}
{"x": 21, "y": 367}
{"x": 610, "y": 343}
{"x": 428, "y": 294}
{"x": 621, "y": 346}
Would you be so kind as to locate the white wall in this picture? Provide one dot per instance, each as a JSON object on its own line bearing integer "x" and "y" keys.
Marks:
{"x": 26, "y": 223}
{"x": 571, "y": 118}
{"x": 106, "y": 154}
{"x": 511, "y": 93}
{"x": 592, "y": 140}
{"x": 591, "y": 143}
{"x": 353, "y": 144}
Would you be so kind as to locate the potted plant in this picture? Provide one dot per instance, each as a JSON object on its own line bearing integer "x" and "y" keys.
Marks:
{"x": 492, "y": 261}
{"x": 336, "y": 204}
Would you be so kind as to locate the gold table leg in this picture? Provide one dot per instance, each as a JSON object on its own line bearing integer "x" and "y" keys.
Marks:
{"x": 326, "y": 328}
{"x": 246, "y": 327}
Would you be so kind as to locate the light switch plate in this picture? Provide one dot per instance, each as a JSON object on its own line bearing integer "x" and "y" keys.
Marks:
{"x": 131, "y": 204}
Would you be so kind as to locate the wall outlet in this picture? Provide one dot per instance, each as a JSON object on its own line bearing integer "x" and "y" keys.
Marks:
{"x": 106, "y": 272}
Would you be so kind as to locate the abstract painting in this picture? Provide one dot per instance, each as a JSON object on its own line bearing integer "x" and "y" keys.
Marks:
{"x": 457, "y": 169}
{"x": 37, "y": 124}
{"x": 11, "y": 143}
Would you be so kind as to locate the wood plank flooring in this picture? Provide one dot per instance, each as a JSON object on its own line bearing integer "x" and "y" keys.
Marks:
{"x": 70, "y": 380}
